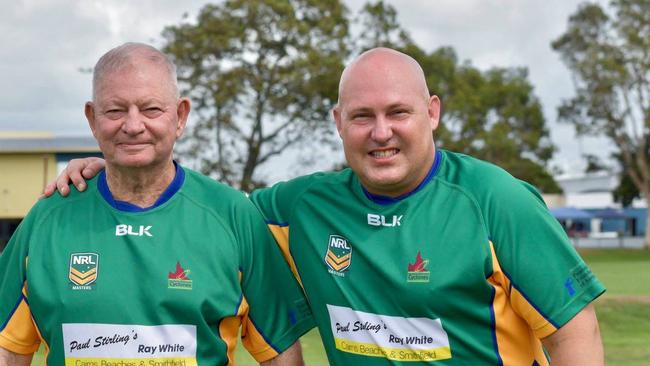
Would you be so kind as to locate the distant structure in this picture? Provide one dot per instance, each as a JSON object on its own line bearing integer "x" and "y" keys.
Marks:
{"x": 28, "y": 160}
{"x": 589, "y": 214}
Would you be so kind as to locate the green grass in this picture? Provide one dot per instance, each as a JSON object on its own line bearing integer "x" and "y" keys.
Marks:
{"x": 625, "y": 328}
{"x": 623, "y": 312}
{"x": 624, "y": 272}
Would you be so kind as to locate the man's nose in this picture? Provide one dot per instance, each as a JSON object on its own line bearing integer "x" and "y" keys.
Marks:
{"x": 382, "y": 130}
{"x": 133, "y": 124}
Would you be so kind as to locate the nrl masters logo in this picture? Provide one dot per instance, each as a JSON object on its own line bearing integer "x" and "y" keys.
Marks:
{"x": 83, "y": 270}
{"x": 339, "y": 255}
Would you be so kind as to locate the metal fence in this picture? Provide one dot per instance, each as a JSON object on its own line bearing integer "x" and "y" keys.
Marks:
{"x": 627, "y": 242}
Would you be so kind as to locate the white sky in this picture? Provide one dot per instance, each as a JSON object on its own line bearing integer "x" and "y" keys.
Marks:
{"x": 45, "y": 42}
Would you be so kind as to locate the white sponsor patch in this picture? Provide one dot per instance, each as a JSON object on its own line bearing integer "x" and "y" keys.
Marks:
{"x": 108, "y": 343}
{"x": 392, "y": 337}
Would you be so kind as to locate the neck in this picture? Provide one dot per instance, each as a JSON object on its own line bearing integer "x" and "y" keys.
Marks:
{"x": 139, "y": 186}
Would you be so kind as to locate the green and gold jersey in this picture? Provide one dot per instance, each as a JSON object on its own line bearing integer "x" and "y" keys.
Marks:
{"x": 468, "y": 269}
{"x": 102, "y": 283}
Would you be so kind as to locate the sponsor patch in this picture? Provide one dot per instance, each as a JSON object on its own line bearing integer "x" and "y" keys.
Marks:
{"x": 178, "y": 280}
{"x": 83, "y": 270}
{"x": 392, "y": 337}
{"x": 117, "y": 344}
{"x": 417, "y": 272}
{"x": 339, "y": 255}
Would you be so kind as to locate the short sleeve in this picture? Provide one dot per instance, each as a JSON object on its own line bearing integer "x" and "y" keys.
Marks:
{"x": 18, "y": 332}
{"x": 549, "y": 282}
{"x": 278, "y": 311}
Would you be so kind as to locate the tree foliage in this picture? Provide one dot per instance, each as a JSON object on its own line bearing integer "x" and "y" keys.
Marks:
{"x": 608, "y": 52}
{"x": 263, "y": 76}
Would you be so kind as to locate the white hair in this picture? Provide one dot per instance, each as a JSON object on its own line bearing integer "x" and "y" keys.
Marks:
{"x": 124, "y": 55}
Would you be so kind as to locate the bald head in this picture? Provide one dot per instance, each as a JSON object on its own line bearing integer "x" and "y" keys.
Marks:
{"x": 383, "y": 61}
{"x": 132, "y": 54}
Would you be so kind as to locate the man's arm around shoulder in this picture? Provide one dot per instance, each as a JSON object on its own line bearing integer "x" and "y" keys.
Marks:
{"x": 8, "y": 358}
{"x": 577, "y": 342}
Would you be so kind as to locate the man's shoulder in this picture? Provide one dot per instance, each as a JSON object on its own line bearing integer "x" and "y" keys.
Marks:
{"x": 311, "y": 182}
{"x": 482, "y": 179}
{"x": 198, "y": 183}
{"x": 214, "y": 196}
{"x": 474, "y": 173}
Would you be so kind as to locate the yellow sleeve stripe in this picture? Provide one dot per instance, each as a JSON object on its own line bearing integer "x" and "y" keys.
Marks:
{"x": 254, "y": 341}
{"x": 281, "y": 235}
{"x": 20, "y": 334}
{"x": 229, "y": 328}
{"x": 517, "y": 343}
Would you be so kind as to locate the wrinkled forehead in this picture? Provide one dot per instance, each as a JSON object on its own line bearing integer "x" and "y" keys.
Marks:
{"x": 135, "y": 78}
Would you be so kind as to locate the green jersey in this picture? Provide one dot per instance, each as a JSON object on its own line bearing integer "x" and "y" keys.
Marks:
{"x": 101, "y": 282}
{"x": 468, "y": 269}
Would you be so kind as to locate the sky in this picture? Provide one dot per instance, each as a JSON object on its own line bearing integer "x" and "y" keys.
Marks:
{"x": 45, "y": 43}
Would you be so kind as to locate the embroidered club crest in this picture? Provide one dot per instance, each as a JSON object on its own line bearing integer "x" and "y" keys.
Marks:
{"x": 339, "y": 254}
{"x": 417, "y": 272}
{"x": 178, "y": 280}
{"x": 84, "y": 269}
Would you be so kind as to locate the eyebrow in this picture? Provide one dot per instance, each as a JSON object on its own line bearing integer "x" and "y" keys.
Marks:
{"x": 390, "y": 107}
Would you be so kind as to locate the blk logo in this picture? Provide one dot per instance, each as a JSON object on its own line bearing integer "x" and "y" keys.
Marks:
{"x": 123, "y": 230}
{"x": 380, "y": 220}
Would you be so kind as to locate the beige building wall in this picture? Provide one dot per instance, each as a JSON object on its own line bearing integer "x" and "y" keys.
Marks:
{"x": 554, "y": 200}
{"x": 22, "y": 179}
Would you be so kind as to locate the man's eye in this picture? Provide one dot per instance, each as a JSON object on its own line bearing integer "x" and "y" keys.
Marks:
{"x": 360, "y": 116}
{"x": 152, "y": 112}
{"x": 114, "y": 113}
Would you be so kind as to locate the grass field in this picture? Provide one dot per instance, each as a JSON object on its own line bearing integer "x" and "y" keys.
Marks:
{"x": 623, "y": 312}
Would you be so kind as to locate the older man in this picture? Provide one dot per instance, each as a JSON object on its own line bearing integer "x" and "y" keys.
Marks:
{"x": 416, "y": 254}
{"x": 153, "y": 265}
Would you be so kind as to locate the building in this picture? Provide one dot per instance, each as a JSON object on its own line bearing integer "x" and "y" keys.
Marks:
{"x": 28, "y": 161}
{"x": 588, "y": 212}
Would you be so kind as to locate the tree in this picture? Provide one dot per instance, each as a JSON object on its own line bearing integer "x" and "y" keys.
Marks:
{"x": 263, "y": 76}
{"x": 379, "y": 27}
{"x": 608, "y": 53}
{"x": 493, "y": 115}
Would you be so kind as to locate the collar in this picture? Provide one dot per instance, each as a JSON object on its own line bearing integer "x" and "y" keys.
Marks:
{"x": 387, "y": 200}
{"x": 173, "y": 187}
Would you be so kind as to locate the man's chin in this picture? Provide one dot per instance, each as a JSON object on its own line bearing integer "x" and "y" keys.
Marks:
{"x": 133, "y": 163}
{"x": 385, "y": 184}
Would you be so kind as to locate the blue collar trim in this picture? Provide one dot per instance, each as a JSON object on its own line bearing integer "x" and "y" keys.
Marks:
{"x": 387, "y": 200}
{"x": 173, "y": 187}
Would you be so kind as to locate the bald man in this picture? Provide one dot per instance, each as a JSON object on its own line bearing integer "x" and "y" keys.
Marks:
{"x": 415, "y": 254}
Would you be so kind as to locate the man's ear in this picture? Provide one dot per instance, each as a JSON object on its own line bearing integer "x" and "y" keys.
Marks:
{"x": 89, "y": 111}
{"x": 336, "y": 113}
{"x": 182, "y": 113}
{"x": 434, "y": 111}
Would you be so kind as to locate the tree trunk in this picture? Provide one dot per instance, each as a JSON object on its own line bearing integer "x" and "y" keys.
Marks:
{"x": 646, "y": 239}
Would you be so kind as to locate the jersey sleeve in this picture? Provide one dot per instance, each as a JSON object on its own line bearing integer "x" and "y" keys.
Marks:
{"x": 547, "y": 281}
{"x": 18, "y": 332}
{"x": 278, "y": 312}
{"x": 276, "y": 204}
